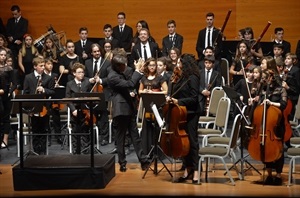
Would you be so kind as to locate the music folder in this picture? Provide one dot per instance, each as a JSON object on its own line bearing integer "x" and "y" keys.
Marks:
{"x": 100, "y": 106}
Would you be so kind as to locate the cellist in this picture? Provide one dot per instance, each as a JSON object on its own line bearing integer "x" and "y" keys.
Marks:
{"x": 185, "y": 93}
{"x": 277, "y": 97}
{"x": 98, "y": 66}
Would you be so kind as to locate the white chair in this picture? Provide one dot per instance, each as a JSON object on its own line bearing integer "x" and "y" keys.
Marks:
{"x": 140, "y": 116}
{"x": 295, "y": 124}
{"x": 216, "y": 94}
{"x": 95, "y": 128}
{"x": 220, "y": 123}
{"x": 25, "y": 126}
{"x": 221, "y": 152}
{"x": 294, "y": 154}
{"x": 225, "y": 71}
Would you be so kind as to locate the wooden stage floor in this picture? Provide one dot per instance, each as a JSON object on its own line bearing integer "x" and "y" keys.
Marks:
{"x": 131, "y": 183}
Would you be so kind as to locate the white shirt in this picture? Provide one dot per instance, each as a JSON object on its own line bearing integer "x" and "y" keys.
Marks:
{"x": 147, "y": 50}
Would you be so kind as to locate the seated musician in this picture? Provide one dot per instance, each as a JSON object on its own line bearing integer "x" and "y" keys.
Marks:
{"x": 37, "y": 82}
{"x": 80, "y": 83}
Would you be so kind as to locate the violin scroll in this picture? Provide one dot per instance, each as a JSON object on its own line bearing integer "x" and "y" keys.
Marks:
{"x": 177, "y": 73}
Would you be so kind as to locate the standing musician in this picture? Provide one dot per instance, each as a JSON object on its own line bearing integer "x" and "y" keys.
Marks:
{"x": 277, "y": 97}
{"x": 151, "y": 82}
{"x": 38, "y": 82}
{"x": 6, "y": 79}
{"x": 255, "y": 48}
{"x": 209, "y": 78}
{"x": 80, "y": 83}
{"x": 242, "y": 58}
{"x": 98, "y": 66}
{"x": 55, "y": 107}
{"x": 207, "y": 37}
{"x": 185, "y": 93}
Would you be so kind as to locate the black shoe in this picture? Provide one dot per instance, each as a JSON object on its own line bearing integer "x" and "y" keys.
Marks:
{"x": 114, "y": 151}
{"x": 277, "y": 181}
{"x": 104, "y": 143}
{"x": 269, "y": 180}
{"x": 123, "y": 168}
{"x": 145, "y": 165}
{"x": 183, "y": 179}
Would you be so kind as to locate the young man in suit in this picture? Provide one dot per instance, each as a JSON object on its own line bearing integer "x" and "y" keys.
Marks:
{"x": 144, "y": 49}
{"x": 16, "y": 28}
{"x": 172, "y": 39}
{"x": 108, "y": 30}
{"x": 79, "y": 84}
{"x": 207, "y": 37}
{"x": 100, "y": 66}
{"x": 123, "y": 111}
{"x": 209, "y": 78}
{"x": 123, "y": 33}
{"x": 83, "y": 46}
{"x": 38, "y": 82}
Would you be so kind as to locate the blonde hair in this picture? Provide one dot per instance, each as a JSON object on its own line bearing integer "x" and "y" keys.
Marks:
{"x": 34, "y": 50}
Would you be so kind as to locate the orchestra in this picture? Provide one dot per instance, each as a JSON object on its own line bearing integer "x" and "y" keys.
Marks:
{"x": 188, "y": 86}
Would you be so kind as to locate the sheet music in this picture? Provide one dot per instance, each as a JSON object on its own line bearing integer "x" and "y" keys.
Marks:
{"x": 157, "y": 116}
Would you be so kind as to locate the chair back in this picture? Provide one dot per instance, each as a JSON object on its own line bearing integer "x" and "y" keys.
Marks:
{"x": 222, "y": 114}
{"x": 297, "y": 111}
{"x": 235, "y": 131}
{"x": 225, "y": 70}
{"x": 216, "y": 94}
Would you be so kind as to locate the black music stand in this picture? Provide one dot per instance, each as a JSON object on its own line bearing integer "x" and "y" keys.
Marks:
{"x": 101, "y": 106}
{"x": 29, "y": 108}
{"x": 60, "y": 93}
{"x": 149, "y": 99}
{"x": 233, "y": 95}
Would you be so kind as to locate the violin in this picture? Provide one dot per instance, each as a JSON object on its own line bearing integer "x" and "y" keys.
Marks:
{"x": 58, "y": 105}
{"x": 87, "y": 117}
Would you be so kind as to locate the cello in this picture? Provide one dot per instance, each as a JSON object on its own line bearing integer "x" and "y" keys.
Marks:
{"x": 175, "y": 141}
{"x": 288, "y": 129}
{"x": 264, "y": 145}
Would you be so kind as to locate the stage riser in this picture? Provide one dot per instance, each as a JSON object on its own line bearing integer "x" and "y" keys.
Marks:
{"x": 64, "y": 172}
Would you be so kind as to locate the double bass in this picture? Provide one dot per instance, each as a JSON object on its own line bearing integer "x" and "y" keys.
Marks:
{"x": 263, "y": 144}
{"x": 174, "y": 140}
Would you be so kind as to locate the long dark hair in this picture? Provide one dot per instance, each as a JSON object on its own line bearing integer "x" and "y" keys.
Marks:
{"x": 189, "y": 65}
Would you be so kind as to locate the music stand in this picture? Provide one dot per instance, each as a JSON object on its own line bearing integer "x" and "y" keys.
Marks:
{"x": 149, "y": 101}
{"x": 29, "y": 108}
{"x": 101, "y": 106}
{"x": 233, "y": 95}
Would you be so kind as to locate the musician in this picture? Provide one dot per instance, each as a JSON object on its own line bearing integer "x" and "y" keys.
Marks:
{"x": 16, "y": 28}
{"x": 174, "y": 56}
{"x": 99, "y": 66}
{"x": 151, "y": 82}
{"x": 123, "y": 111}
{"x": 80, "y": 83}
{"x": 123, "y": 33}
{"x": 207, "y": 37}
{"x": 6, "y": 79}
{"x": 278, "y": 33}
{"x": 26, "y": 55}
{"x": 144, "y": 49}
{"x": 256, "y": 50}
{"x": 278, "y": 50}
{"x": 209, "y": 78}
{"x": 242, "y": 59}
{"x": 277, "y": 97}
{"x": 162, "y": 68}
{"x": 54, "y": 109}
{"x": 291, "y": 81}
{"x": 107, "y": 31}
{"x": 37, "y": 82}
{"x": 139, "y": 25}
{"x": 83, "y": 45}
{"x": 66, "y": 63}
{"x": 173, "y": 39}
{"x": 186, "y": 91}
{"x": 51, "y": 51}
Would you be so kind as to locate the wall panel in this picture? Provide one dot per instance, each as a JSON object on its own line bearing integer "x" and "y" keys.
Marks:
{"x": 70, "y": 15}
